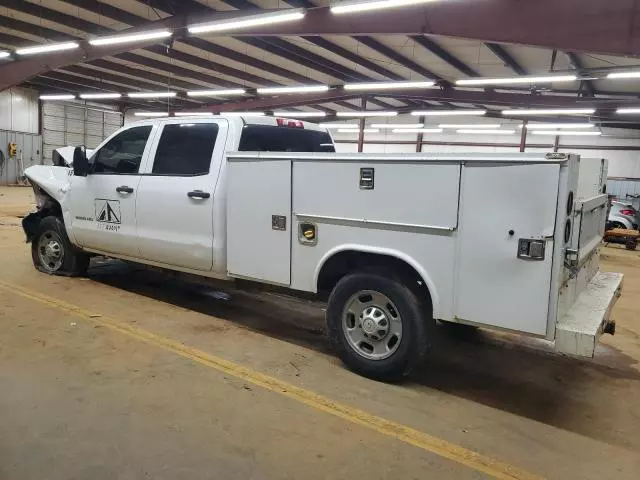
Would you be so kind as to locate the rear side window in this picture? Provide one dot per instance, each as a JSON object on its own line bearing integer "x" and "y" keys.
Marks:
{"x": 185, "y": 149}
{"x": 123, "y": 153}
{"x": 267, "y": 138}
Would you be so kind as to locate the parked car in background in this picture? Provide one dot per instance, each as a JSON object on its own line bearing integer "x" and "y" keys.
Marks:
{"x": 622, "y": 215}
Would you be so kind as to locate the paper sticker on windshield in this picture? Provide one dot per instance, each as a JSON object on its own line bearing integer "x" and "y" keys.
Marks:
{"x": 107, "y": 211}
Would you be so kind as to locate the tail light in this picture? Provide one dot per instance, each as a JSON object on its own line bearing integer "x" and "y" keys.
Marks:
{"x": 627, "y": 211}
{"x": 283, "y": 122}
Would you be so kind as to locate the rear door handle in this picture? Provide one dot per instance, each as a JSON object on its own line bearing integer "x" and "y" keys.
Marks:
{"x": 198, "y": 194}
{"x": 124, "y": 189}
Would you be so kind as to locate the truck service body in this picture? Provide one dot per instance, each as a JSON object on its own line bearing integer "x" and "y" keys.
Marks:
{"x": 506, "y": 241}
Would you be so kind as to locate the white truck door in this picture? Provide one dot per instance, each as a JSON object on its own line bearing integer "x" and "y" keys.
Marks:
{"x": 102, "y": 204}
{"x": 175, "y": 198}
{"x": 499, "y": 206}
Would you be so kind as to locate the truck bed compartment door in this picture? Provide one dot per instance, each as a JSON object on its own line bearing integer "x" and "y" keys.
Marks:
{"x": 505, "y": 249}
{"x": 259, "y": 219}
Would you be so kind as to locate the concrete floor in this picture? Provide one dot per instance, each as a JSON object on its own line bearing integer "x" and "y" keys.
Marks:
{"x": 80, "y": 398}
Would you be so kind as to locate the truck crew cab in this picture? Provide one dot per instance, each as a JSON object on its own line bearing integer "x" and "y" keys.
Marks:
{"x": 492, "y": 240}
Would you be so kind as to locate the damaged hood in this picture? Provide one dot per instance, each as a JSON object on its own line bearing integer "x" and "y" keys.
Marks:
{"x": 63, "y": 156}
{"x": 51, "y": 179}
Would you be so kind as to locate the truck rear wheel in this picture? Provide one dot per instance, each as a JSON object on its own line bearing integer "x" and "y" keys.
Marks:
{"x": 377, "y": 325}
{"x": 53, "y": 253}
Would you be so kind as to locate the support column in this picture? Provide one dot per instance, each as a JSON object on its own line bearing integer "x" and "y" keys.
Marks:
{"x": 361, "y": 125}
{"x": 420, "y": 136}
{"x": 523, "y": 136}
{"x": 556, "y": 143}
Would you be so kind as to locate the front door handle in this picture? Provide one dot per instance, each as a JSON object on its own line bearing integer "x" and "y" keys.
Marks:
{"x": 198, "y": 194}
{"x": 124, "y": 189}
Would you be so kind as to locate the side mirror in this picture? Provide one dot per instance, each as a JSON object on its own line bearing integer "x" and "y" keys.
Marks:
{"x": 80, "y": 162}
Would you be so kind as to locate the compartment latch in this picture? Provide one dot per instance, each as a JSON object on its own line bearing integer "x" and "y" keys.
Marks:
{"x": 531, "y": 249}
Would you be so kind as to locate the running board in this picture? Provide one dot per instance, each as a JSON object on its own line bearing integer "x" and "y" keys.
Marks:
{"x": 578, "y": 330}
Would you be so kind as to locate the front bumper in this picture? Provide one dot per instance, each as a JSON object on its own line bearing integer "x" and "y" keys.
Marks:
{"x": 578, "y": 331}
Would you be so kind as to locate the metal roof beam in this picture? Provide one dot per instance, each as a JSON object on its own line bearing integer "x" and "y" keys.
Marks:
{"x": 349, "y": 55}
{"x": 441, "y": 53}
{"x": 287, "y": 50}
{"x": 398, "y": 58}
{"x": 445, "y": 95}
{"x": 596, "y": 26}
{"x": 501, "y": 52}
{"x": 576, "y": 63}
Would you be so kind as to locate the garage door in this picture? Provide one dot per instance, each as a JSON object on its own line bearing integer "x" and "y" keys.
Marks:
{"x": 64, "y": 124}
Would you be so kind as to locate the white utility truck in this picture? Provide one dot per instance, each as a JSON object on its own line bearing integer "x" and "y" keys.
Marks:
{"x": 398, "y": 240}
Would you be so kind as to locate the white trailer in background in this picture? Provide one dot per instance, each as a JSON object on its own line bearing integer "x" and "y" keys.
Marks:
{"x": 494, "y": 240}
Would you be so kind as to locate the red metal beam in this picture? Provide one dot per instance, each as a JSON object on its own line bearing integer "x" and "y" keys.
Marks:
{"x": 445, "y": 95}
{"x": 597, "y": 26}
{"x": 15, "y": 72}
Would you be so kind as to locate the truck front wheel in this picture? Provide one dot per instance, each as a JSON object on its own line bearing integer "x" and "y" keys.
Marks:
{"x": 53, "y": 253}
{"x": 377, "y": 325}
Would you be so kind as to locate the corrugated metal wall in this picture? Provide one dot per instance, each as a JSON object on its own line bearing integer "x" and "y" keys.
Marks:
{"x": 66, "y": 124}
{"x": 625, "y": 189}
{"x": 29, "y": 152}
{"x": 19, "y": 111}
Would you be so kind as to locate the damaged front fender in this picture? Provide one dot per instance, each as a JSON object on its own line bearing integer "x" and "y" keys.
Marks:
{"x": 50, "y": 186}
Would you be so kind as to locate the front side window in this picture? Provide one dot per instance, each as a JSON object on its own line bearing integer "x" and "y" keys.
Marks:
{"x": 123, "y": 153}
{"x": 185, "y": 149}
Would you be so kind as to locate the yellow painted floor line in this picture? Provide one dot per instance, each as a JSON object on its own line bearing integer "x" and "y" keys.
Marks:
{"x": 381, "y": 425}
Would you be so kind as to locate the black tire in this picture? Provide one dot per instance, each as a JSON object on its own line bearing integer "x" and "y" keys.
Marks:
{"x": 415, "y": 318}
{"x": 71, "y": 261}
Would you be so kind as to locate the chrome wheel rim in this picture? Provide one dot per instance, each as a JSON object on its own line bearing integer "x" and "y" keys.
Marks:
{"x": 372, "y": 325}
{"x": 50, "y": 251}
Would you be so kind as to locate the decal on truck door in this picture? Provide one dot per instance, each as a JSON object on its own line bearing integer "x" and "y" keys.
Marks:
{"x": 108, "y": 214}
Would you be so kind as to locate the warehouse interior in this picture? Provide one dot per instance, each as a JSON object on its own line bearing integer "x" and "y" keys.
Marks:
{"x": 136, "y": 372}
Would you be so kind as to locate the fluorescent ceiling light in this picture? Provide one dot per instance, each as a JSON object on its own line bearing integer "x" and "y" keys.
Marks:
{"x": 243, "y": 114}
{"x": 300, "y": 89}
{"x": 53, "y": 47}
{"x": 516, "y": 80}
{"x": 339, "y": 125}
{"x": 615, "y": 75}
{"x": 288, "y": 15}
{"x": 4, "y": 54}
{"x": 193, "y": 114}
{"x": 470, "y": 125}
{"x": 151, "y": 94}
{"x": 553, "y": 126}
{"x": 58, "y": 97}
{"x": 550, "y": 111}
{"x": 97, "y": 96}
{"x": 134, "y": 37}
{"x": 216, "y": 93}
{"x": 387, "y": 85}
{"x": 444, "y": 113}
{"x": 565, "y": 132}
{"x": 627, "y": 111}
{"x": 357, "y": 130}
{"x": 486, "y": 132}
{"x": 364, "y": 6}
{"x": 282, "y": 113}
{"x": 397, "y": 125}
{"x": 370, "y": 113}
{"x": 151, "y": 114}
{"x": 417, "y": 130}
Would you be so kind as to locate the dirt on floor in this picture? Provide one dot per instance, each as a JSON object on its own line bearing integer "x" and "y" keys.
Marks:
{"x": 80, "y": 402}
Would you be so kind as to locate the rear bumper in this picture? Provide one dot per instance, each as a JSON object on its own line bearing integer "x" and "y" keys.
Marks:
{"x": 578, "y": 331}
